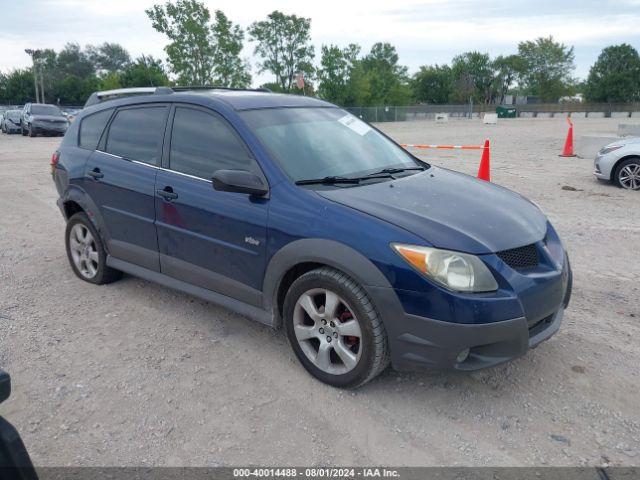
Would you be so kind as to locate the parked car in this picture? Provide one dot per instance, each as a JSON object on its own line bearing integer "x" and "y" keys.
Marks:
{"x": 70, "y": 114}
{"x": 291, "y": 211}
{"x": 15, "y": 463}
{"x": 619, "y": 162}
{"x": 10, "y": 122}
{"x": 42, "y": 118}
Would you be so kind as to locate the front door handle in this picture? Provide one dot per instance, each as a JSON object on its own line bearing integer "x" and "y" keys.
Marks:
{"x": 95, "y": 173}
{"x": 167, "y": 193}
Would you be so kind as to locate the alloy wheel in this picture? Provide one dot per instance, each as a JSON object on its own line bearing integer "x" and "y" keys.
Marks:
{"x": 327, "y": 331}
{"x": 83, "y": 250}
{"x": 629, "y": 176}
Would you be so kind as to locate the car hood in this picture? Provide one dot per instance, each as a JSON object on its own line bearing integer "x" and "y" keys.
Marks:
{"x": 450, "y": 210}
{"x": 624, "y": 142}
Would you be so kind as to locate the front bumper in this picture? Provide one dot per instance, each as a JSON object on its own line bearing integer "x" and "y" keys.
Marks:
{"x": 436, "y": 344}
{"x": 420, "y": 343}
{"x": 602, "y": 166}
{"x": 49, "y": 128}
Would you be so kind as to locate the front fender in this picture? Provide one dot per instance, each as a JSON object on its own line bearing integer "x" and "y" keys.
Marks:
{"x": 326, "y": 252}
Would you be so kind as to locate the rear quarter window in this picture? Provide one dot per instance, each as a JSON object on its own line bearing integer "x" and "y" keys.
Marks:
{"x": 91, "y": 128}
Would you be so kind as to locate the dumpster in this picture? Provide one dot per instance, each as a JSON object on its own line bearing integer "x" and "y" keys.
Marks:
{"x": 506, "y": 112}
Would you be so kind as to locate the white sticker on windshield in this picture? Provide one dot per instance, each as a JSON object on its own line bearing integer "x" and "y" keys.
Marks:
{"x": 355, "y": 124}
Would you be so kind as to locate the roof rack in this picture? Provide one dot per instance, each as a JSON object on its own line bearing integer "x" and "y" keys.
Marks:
{"x": 213, "y": 87}
{"x": 97, "y": 97}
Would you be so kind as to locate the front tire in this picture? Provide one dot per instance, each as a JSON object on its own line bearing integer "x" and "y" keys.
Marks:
{"x": 32, "y": 133}
{"x": 627, "y": 174}
{"x": 86, "y": 253}
{"x": 334, "y": 329}
{"x": 23, "y": 131}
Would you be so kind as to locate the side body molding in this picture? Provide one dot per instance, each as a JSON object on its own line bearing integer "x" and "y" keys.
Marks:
{"x": 327, "y": 252}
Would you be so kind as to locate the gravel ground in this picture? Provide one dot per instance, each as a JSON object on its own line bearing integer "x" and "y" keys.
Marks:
{"x": 136, "y": 374}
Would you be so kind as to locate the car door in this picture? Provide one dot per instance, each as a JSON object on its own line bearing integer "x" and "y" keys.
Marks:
{"x": 213, "y": 239}
{"x": 120, "y": 178}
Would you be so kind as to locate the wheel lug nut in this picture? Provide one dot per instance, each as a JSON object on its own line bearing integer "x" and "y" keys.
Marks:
{"x": 324, "y": 322}
{"x": 328, "y": 339}
{"x": 335, "y": 334}
{"x": 332, "y": 324}
{"x": 321, "y": 330}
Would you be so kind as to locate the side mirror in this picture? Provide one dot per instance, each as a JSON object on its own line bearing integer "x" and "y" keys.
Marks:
{"x": 239, "y": 181}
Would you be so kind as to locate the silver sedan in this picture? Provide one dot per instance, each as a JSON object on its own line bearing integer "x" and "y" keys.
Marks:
{"x": 619, "y": 162}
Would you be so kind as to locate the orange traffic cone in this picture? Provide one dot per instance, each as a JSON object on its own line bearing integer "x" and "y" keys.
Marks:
{"x": 484, "y": 172}
{"x": 567, "y": 151}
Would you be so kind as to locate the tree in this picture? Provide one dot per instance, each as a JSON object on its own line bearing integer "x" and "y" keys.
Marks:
{"x": 548, "y": 67}
{"x": 201, "y": 53}
{"x": 388, "y": 79}
{"x": 508, "y": 69}
{"x": 432, "y": 84}
{"x": 336, "y": 66}
{"x": 230, "y": 69}
{"x": 108, "y": 57}
{"x": 284, "y": 44}
{"x": 48, "y": 74}
{"x": 473, "y": 77}
{"x": 359, "y": 87}
{"x": 615, "y": 77}
{"x": 190, "y": 52}
{"x": 72, "y": 60}
{"x": 16, "y": 87}
{"x": 74, "y": 90}
{"x": 145, "y": 71}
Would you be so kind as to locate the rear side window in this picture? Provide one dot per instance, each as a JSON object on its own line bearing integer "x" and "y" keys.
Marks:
{"x": 91, "y": 129}
{"x": 202, "y": 143}
{"x": 136, "y": 134}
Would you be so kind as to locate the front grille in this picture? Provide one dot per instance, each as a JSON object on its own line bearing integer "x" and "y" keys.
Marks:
{"x": 521, "y": 257}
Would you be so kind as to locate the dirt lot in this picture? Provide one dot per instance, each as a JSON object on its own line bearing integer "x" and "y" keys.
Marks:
{"x": 135, "y": 374}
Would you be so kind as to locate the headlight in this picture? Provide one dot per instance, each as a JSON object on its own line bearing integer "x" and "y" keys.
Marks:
{"x": 605, "y": 150}
{"x": 453, "y": 270}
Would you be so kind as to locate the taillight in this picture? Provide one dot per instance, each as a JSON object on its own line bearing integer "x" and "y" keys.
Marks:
{"x": 54, "y": 161}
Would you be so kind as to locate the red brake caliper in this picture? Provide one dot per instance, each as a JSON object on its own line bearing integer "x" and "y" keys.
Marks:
{"x": 344, "y": 316}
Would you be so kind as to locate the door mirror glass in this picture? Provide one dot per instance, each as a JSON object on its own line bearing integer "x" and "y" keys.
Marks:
{"x": 239, "y": 181}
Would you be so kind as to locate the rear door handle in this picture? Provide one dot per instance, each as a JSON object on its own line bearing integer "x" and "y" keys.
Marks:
{"x": 167, "y": 193}
{"x": 95, "y": 173}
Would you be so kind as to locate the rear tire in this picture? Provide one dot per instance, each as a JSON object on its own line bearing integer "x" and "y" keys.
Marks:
{"x": 23, "y": 131}
{"x": 627, "y": 174}
{"x": 344, "y": 347}
{"x": 86, "y": 252}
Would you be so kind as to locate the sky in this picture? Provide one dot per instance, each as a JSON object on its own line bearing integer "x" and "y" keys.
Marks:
{"x": 424, "y": 32}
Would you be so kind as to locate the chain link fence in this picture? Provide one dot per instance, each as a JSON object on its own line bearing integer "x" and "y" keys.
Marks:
{"x": 542, "y": 110}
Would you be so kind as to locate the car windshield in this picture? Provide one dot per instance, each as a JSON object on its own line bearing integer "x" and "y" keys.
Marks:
{"x": 13, "y": 114}
{"x": 312, "y": 143}
{"x": 45, "y": 110}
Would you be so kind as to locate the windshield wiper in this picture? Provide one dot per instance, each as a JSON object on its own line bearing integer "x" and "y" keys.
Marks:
{"x": 327, "y": 181}
{"x": 394, "y": 170}
{"x": 334, "y": 180}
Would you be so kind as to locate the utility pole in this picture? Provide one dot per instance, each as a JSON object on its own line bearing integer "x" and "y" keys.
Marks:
{"x": 33, "y": 54}
{"x": 41, "y": 85}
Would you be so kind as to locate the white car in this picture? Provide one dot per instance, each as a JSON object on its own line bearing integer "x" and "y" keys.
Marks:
{"x": 619, "y": 162}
